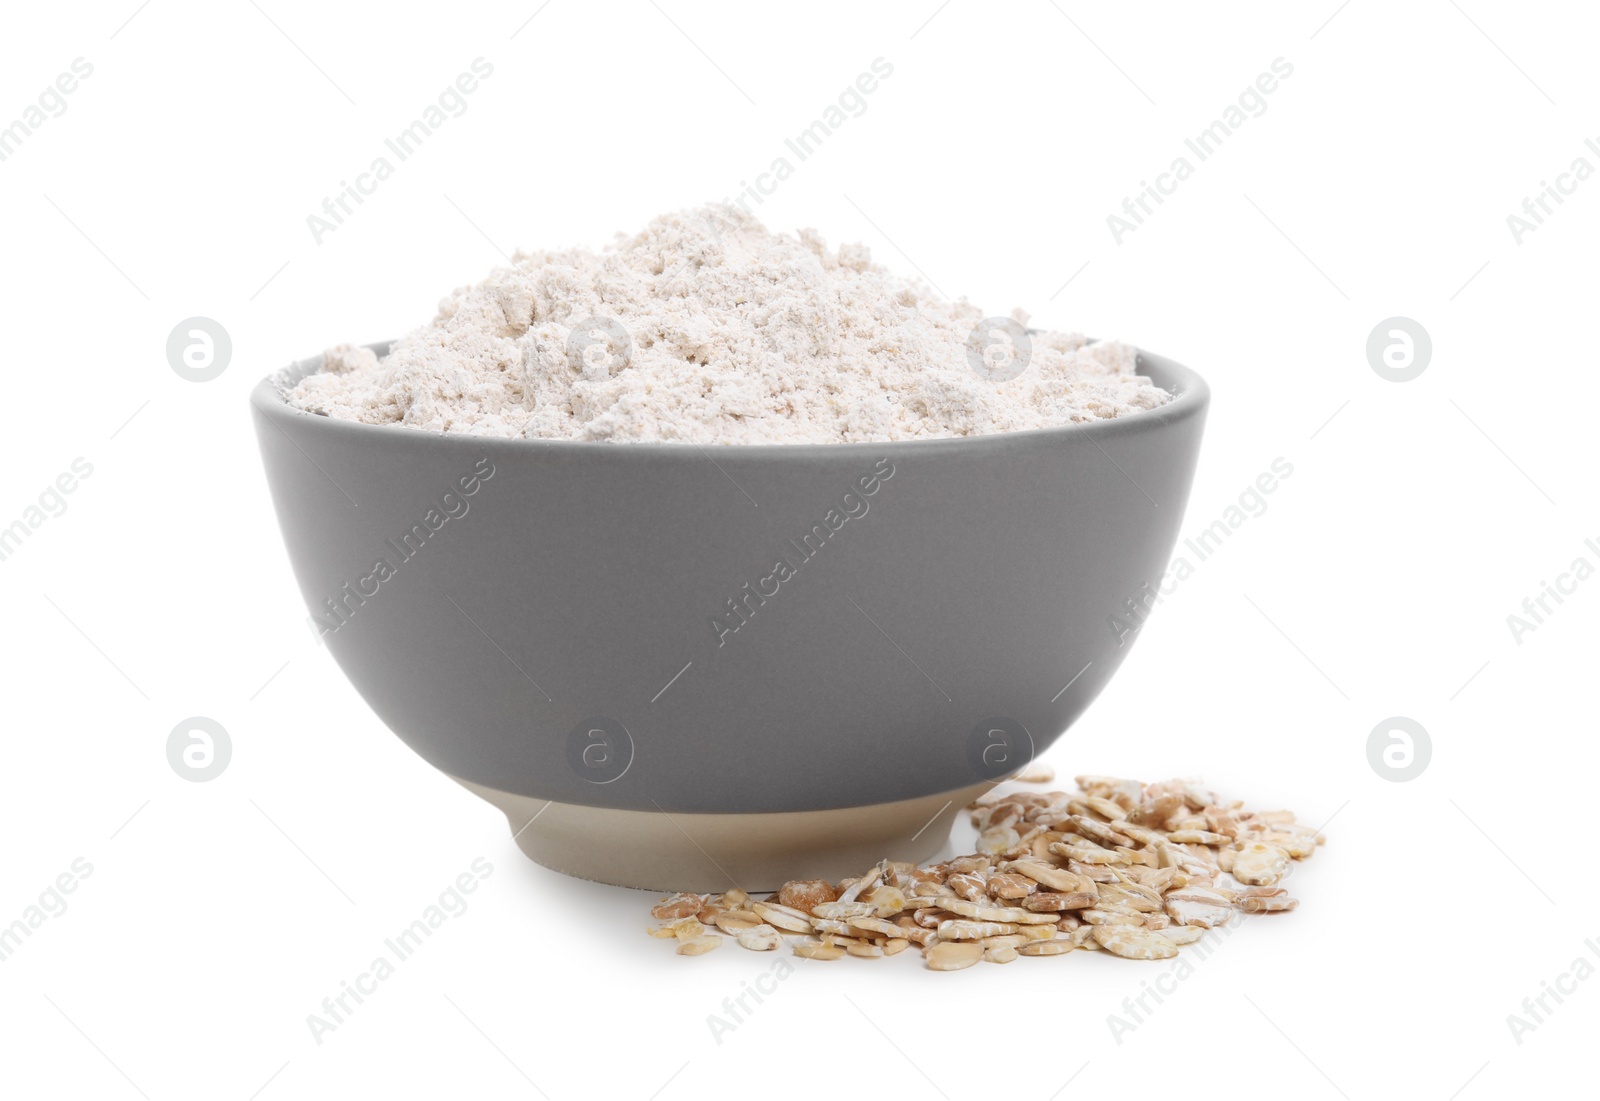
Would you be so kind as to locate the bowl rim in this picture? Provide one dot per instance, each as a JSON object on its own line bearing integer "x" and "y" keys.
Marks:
{"x": 1191, "y": 396}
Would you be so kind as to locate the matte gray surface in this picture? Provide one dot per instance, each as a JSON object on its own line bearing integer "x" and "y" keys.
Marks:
{"x": 583, "y": 577}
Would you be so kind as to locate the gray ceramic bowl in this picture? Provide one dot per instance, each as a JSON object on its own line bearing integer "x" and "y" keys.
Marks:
{"x": 684, "y": 667}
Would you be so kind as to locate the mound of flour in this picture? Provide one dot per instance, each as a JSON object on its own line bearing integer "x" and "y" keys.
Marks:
{"x": 707, "y": 328}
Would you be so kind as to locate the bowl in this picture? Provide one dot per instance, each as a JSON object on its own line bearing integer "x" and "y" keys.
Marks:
{"x": 685, "y": 667}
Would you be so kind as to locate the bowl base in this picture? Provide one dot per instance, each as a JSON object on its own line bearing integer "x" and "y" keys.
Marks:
{"x": 665, "y": 852}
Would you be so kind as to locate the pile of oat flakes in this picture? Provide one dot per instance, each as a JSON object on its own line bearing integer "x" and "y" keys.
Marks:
{"x": 1134, "y": 869}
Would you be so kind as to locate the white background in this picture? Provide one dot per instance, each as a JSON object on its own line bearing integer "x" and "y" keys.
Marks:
{"x": 1377, "y": 583}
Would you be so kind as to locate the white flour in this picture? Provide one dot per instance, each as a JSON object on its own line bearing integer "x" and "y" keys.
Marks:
{"x": 707, "y": 328}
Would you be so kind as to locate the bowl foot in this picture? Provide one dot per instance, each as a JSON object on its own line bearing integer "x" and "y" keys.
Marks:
{"x": 658, "y": 851}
